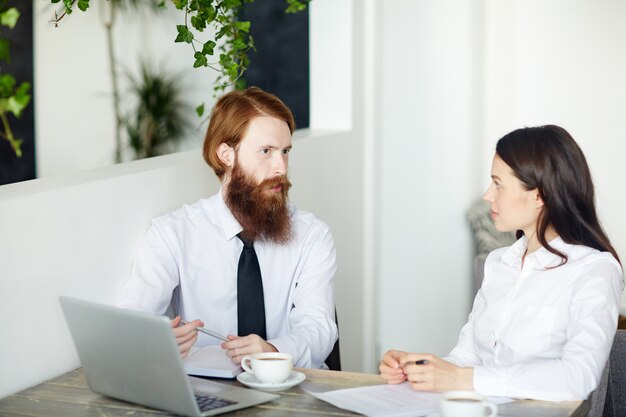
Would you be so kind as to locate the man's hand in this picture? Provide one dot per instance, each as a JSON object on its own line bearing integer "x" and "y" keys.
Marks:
{"x": 238, "y": 347}
{"x": 435, "y": 374}
{"x": 390, "y": 368}
{"x": 185, "y": 335}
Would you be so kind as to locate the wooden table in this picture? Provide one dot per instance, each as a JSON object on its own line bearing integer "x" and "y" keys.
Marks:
{"x": 68, "y": 395}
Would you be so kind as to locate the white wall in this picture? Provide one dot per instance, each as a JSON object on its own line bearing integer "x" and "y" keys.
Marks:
{"x": 74, "y": 118}
{"x": 75, "y": 235}
{"x": 427, "y": 164}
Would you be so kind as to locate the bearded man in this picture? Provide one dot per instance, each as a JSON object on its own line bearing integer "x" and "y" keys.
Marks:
{"x": 244, "y": 262}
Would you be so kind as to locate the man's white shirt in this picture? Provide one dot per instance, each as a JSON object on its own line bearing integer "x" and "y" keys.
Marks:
{"x": 540, "y": 330}
{"x": 190, "y": 257}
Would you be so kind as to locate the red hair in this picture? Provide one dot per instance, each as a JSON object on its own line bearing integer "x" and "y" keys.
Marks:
{"x": 231, "y": 116}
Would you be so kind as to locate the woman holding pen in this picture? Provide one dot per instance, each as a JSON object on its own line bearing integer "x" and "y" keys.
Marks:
{"x": 544, "y": 319}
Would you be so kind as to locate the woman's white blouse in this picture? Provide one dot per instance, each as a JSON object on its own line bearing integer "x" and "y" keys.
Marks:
{"x": 540, "y": 330}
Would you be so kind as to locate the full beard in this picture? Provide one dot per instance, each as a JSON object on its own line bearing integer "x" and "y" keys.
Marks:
{"x": 262, "y": 212}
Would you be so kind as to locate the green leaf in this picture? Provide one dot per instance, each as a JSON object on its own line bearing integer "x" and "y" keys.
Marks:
{"x": 241, "y": 84}
{"x": 21, "y": 94}
{"x": 200, "y": 110}
{"x": 225, "y": 60}
{"x": 211, "y": 13}
{"x": 9, "y": 17}
{"x": 7, "y": 83}
{"x": 5, "y": 55}
{"x": 223, "y": 30}
{"x": 184, "y": 34}
{"x": 180, "y": 4}
{"x": 239, "y": 45}
{"x": 198, "y": 22}
{"x": 231, "y": 4}
{"x": 243, "y": 26}
{"x": 208, "y": 48}
{"x": 295, "y": 6}
{"x": 83, "y": 5}
{"x": 17, "y": 103}
{"x": 233, "y": 71}
{"x": 68, "y": 5}
{"x": 201, "y": 60}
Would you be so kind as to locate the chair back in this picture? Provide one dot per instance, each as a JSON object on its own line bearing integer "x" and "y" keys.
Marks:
{"x": 615, "y": 403}
{"x": 598, "y": 396}
{"x": 333, "y": 361}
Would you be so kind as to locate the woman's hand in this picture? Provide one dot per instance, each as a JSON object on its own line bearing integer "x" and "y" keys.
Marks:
{"x": 390, "y": 367}
{"x": 435, "y": 374}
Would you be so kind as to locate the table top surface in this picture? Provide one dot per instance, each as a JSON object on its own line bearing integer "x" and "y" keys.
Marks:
{"x": 68, "y": 395}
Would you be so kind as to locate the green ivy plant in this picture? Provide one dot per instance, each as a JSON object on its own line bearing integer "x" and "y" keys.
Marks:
{"x": 14, "y": 97}
{"x": 231, "y": 34}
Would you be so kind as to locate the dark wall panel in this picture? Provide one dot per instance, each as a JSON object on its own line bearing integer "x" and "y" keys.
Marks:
{"x": 281, "y": 63}
{"x": 12, "y": 168}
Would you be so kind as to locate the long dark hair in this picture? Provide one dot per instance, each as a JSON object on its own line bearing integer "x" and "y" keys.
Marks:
{"x": 548, "y": 159}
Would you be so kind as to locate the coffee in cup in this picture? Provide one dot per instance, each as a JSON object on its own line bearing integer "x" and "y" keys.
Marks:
{"x": 466, "y": 404}
{"x": 268, "y": 367}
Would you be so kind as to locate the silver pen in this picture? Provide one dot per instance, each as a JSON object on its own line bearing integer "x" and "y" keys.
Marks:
{"x": 209, "y": 332}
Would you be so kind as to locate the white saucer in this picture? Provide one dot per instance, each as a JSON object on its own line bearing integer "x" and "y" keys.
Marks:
{"x": 250, "y": 380}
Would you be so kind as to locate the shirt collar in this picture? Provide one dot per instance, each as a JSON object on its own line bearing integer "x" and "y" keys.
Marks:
{"x": 230, "y": 225}
{"x": 544, "y": 258}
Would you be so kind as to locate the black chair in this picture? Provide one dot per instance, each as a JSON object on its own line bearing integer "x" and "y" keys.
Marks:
{"x": 333, "y": 361}
{"x": 615, "y": 403}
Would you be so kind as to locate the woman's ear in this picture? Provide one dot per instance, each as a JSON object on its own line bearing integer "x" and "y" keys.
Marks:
{"x": 226, "y": 155}
{"x": 538, "y": 200}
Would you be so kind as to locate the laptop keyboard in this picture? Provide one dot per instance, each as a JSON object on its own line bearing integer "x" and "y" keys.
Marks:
{"x": 209, "y": 402}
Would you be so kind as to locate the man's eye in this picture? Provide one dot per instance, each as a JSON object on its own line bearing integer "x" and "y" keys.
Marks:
{"x": 286, "y": 151}
{"x": 265, "y": 150}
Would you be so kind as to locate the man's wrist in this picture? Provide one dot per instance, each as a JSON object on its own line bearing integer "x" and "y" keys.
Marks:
{"x": 270, "y": 347}
{"x": 467, "y": 378}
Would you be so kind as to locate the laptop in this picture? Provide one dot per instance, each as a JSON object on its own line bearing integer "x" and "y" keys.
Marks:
{"x": 133, "y": 356}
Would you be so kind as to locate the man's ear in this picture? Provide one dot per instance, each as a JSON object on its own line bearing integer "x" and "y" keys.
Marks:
{"x": 226, "y": 155}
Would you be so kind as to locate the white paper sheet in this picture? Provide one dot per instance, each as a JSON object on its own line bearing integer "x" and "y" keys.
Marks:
{"x": 388, "y": 400}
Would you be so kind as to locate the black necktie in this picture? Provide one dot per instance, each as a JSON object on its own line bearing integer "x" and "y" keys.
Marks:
{"x": 250, "y": 303}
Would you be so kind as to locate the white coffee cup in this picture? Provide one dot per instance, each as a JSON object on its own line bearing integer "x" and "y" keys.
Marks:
{"x": 268, "y": 367}
{"x": 466, "y": 404}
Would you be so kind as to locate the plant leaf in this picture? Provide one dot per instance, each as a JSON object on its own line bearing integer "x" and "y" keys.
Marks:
{"x": 200, "y": 110}
{"x": 184, "y": 34}
{"x": 83, "y": 5}
{"x": 208, "y": 48}
{"x": 9, "y": 17}
{"x": 201, "y": 60}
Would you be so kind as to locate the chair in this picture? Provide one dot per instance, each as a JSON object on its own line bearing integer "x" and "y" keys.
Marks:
{"x": 615, "y": 403}
{"x": 333, "y": 361}
{"x": 598, "y": 396}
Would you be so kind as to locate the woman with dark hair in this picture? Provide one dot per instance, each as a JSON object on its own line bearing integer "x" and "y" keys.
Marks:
{"x": 544, "y": 319}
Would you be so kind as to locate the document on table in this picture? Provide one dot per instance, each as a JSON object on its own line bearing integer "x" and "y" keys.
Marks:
{"x": 388, "y": 400}
{"x": 212, "y": 361}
